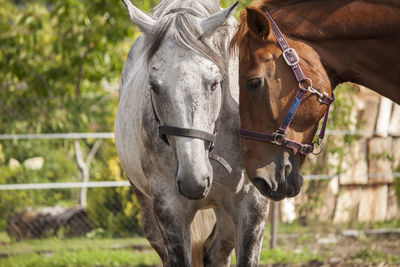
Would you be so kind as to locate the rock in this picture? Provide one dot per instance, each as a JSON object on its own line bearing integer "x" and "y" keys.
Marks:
{"x": 13, "y": 163}
{"x": 35, "y": 163}
{"x": 382, "y": 122}
{"x": 379, "y": 160}
{"x": 367, "y": 104}
{"x": 331, "y": 239}
{"x": 325, "y": 211}
{"x": 392, "y": 204}
{"x": 394, "y": 125}
{"x": 396, "y": 153}
{"x": 335, "y": 260}
{"x": 47, "y": 222}
{"x": 350, "y": 233}
{"x": 383, "y": 231}
{"x": 347, "y": 204}
{"x": 354, "y": 164}
{"x": 373, "y": 203}
{"x": 334, "y": 185}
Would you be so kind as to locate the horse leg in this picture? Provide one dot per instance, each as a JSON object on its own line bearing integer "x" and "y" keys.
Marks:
{"x": 174, "y": 220}
{"x": 220, "y": 243}
{"x": 249, "y": 226}
{"x": 150, "y": 225}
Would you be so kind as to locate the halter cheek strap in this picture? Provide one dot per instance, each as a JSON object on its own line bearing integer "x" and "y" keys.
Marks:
{"x": 305, "y": 85}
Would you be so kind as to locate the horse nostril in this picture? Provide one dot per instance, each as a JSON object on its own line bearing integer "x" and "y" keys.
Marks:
{"x": 179, "y": 186}
{"x": 261, "y": 179}
{"x": 288, "y": 169}
{"x": 208, "y": 181}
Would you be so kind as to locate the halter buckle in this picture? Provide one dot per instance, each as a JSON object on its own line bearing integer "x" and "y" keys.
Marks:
{"x": 279, "y": 138}
{"x": 291, "y": 57}
{"x": 305, "y": 149}
{"x": 321, "y": 99}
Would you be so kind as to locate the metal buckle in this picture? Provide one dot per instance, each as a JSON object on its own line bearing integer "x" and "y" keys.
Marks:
{"x": 321, "y": 98}
{"x": 305, "y": 149}
{"x": 293, "y": 60}
{"x": 276, "y": 141}
{"x": 306, "y": 86}
{"x": 318, "y": 143}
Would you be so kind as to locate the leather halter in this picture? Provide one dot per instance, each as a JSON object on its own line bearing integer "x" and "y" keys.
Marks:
{"x": 164, "y": 130}
{"x": 305, "y": 85}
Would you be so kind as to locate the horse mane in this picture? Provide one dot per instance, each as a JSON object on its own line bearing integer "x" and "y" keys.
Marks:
{"x": 178, "y": 20}
{"x": 240, "y": 42}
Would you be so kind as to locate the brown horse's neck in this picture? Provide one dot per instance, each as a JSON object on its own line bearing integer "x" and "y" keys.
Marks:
{"x": 357, "y": 41}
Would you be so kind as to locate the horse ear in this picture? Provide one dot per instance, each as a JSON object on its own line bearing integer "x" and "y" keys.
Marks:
{"x": 258, "y": 22}
{"x": 212, "y": 23}
{"x": 139, "y": 18}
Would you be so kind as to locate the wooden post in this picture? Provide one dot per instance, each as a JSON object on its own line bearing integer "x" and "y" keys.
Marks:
{"x": 274, "y": 223}
{"x": 84, "y": 167}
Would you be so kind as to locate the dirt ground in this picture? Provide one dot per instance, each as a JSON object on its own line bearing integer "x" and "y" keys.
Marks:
{"x": 341, "y": 249}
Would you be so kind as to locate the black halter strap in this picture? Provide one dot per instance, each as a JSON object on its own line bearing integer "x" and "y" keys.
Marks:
{"x": 165, "y": 130}
{"x": 168, "y": 130}
{"x": 193, "y": 133}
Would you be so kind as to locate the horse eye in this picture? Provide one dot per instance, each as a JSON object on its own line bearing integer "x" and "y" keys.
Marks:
{"x": 214, "y": 85}
{"x": 254, "y": 84}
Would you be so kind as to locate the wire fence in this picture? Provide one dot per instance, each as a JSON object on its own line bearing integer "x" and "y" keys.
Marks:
{"x": 111, "y": 210}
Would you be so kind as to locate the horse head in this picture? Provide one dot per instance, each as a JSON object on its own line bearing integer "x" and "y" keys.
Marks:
{"x": 185, "y": 76}
{"x": 268, "y": 93}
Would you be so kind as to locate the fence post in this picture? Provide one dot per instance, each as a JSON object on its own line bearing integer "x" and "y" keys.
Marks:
{"x": 274, "y": 223}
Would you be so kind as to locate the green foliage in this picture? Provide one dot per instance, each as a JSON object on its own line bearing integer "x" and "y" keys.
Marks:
{"x": 334, "y": 147}
{"x": 375, "y": 256}
{"x": 60, "y": 62}
{"x": 57, "y": 168}
{"x": 54, "y": 58}
{"x": 114, "y": 212}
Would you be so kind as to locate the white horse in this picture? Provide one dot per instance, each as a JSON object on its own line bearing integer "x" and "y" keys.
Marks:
{"x": 180, "y": 83}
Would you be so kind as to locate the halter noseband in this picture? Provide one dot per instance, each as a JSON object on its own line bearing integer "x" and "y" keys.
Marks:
{"x": 165, "y": 130}
{"x": 305, "y": 85}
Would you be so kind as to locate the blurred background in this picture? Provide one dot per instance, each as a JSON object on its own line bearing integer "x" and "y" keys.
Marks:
{"x": 64, "y": 200}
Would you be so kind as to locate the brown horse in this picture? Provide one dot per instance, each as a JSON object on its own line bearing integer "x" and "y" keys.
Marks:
{"x": 336, "y": 41}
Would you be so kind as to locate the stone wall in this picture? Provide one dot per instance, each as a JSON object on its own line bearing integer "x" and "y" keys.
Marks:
{"x": 364, "y": 190}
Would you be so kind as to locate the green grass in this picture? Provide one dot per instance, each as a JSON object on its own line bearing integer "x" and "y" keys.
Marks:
{"x": 56, "y": 245}
{"x": 4, "y": 238}
{"x": 290, "y": 228}
{"x": 76, "y": 252}
{"x": 294, "y": 246}
{"x": 375, "y": 256}
{"x": 82, "y": 258}
{"x": 282, "y": 256}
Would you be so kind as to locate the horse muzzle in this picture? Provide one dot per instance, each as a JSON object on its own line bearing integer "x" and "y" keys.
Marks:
{"x": 194, "y": 188}
{"x": 278, "y": 182}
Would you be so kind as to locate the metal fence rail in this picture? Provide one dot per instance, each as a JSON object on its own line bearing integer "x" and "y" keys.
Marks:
{"x": 109, "y": 135}
{"x": 56, "y": 136}
{"x": 64, "y": 185}
{"x": 101, "y": 184}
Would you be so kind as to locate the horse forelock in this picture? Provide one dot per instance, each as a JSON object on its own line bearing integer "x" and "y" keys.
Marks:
{"x": 178, "y": 21}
